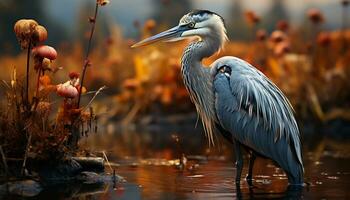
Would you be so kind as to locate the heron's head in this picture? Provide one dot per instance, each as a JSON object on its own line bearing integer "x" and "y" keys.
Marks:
{"x": 200, "y": 23}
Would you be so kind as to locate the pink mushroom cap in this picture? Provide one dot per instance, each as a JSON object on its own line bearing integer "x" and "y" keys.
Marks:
{"x": 45, "y": 51}
{"x": 67, "y": 91}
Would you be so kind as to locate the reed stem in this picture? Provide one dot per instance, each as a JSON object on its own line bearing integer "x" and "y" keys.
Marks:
{"x": 86, "y": 61}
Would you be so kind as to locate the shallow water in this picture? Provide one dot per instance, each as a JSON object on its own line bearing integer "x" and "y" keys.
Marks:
{"x": 150, "y": 162}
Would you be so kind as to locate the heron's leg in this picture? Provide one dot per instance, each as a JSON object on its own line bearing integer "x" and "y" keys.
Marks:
{"x": 239, "y": 160}
{"x": 249, "y": 177}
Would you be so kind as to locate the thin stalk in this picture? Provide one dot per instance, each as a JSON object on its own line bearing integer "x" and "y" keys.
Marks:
{"x": 27, "y": 76}
{"x": 37, "y": 83}
{"x": 86, "y": 61}
{"x": 26, "y": 154}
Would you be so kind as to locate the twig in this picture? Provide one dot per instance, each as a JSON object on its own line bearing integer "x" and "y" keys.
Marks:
{"x": 315, "y": 103}
{"x": 14, "y": 159}
{"x": 26, "y": 155}
{"x": 93, "y": 98}
{"x": 27, "y": 125}
{"x": 92, "y": 92}
{"x": 105, "y": 156}
{"x": 86, "y": 61}
{"x": 3, "y": 157}
{"x": 132, "y": 113}
{"x": 6, "y": 84}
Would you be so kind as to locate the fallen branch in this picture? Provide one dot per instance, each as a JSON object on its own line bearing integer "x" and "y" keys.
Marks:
{"x": 335, "y": 113}
{"x": 132, "y": 114}
{"x": 315, "y": 103}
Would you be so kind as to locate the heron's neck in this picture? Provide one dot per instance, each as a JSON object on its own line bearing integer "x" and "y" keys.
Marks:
{"x": 191, "y": 62}
{"x": 196, "y": 51}
{"x": 198, "y": 81}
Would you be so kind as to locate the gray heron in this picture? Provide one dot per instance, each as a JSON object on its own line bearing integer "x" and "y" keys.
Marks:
{"x": 236, "y": 99}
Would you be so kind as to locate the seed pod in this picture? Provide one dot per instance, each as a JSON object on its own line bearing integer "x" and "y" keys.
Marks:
{"x": 282, "y": 25}
{"x": 315, "y": 16}
{"x": 24, "y": 30}
{"x": 46, "y": 64}
{"x": 67, "y": 90}
{"x": 324, "y": 39}
{"x": 261, "y": 35}
{"x": 282, "y": 48}
{"x": 251, "y": 17}
{"x": 73, "y": 75}
{"x": 40, "y": 34}
{"x": 278, "y": 36}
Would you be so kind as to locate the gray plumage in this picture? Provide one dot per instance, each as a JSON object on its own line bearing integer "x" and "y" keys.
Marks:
{"x": 236, "y": 99}
{"x": 257, "y": 114}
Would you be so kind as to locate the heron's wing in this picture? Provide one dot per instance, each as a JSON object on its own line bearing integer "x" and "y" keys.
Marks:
{"x": 248, "y": 103}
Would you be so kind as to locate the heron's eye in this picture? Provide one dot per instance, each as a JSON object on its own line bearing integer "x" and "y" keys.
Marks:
{"x": 191, "y": 25}
{"x": 222, "y": 69}
{"x": 225, "y": 70}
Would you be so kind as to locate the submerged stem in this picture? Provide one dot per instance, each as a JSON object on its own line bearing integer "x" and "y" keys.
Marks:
{"x": 86, "y": 61}
{"x": 26, "y": 154}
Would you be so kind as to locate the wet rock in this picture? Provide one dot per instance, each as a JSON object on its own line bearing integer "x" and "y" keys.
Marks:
{"x": 95, "y": 164}
{"x": 87, "y": 177}
{"x": 25, "y": 188}
{"x": 60, "y": 172}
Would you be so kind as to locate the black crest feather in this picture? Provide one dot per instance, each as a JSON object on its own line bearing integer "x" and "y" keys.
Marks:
{"x": 205, "y": 12}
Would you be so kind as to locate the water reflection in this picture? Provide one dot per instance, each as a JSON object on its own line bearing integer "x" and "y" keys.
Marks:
{"x": 149, "y": 160}
{"x": 177, "y": 164}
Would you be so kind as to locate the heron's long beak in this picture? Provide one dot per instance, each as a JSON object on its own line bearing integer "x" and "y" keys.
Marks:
{"x": 170, "y": 34}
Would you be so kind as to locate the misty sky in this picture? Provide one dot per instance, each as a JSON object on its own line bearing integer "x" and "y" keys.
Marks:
{"x": 125, "y": 12}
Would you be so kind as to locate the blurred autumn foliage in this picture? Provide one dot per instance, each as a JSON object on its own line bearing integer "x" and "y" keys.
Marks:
{"x": 312, "y": 69}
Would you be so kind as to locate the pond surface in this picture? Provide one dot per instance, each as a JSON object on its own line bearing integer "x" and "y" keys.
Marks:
{"x": 150, "y": 161}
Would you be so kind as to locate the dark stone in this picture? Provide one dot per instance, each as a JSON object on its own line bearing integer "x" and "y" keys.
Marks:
{"x": 25, "y": 188}
{"x": 89, "y": 178}
{"x": 95, "y": 164}
{"x": 59, "y": 172}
